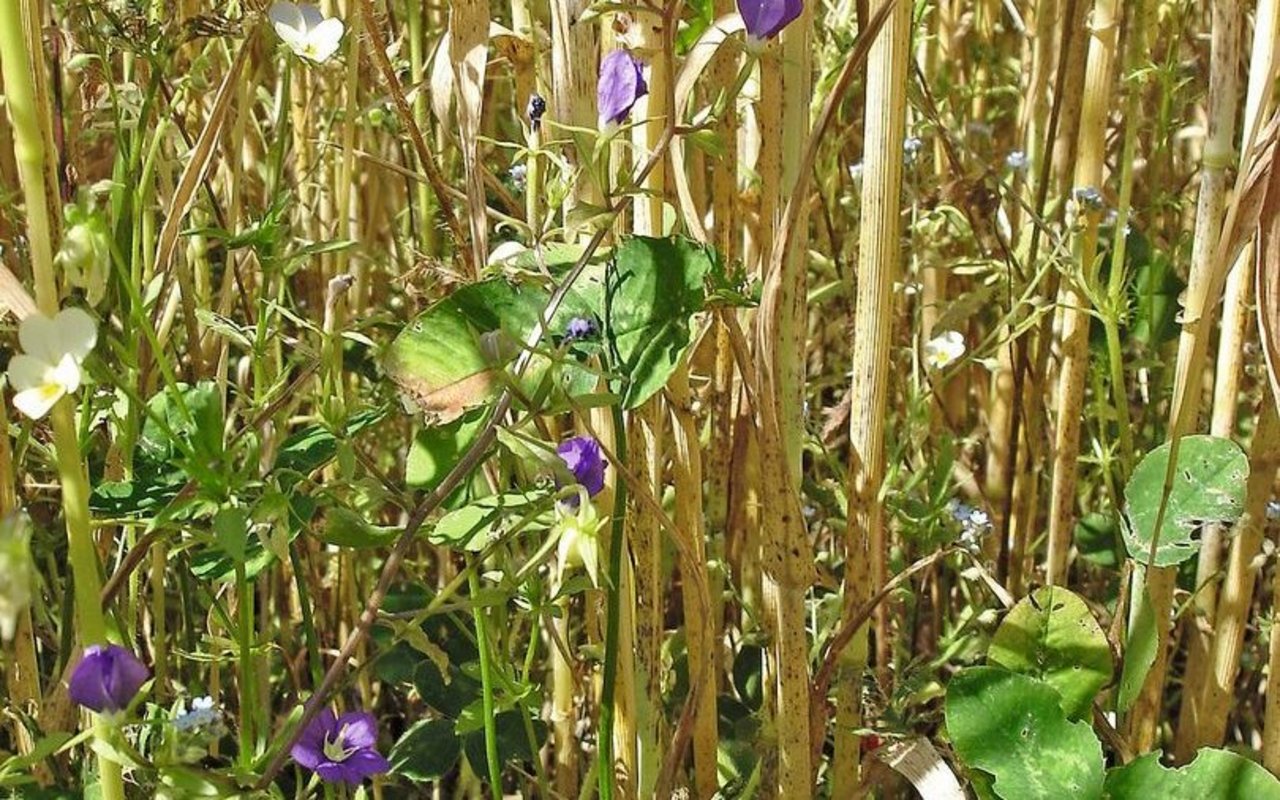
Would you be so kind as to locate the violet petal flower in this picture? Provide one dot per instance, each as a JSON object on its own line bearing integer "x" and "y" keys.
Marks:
{"x": 580, "y": 328}
{"x": 621, "y": 85}
{"x": 107, "y": 678}
{"x": 765, "y": 19}
{"x": 341, "y": 749}
{"x": 581, "y": 455}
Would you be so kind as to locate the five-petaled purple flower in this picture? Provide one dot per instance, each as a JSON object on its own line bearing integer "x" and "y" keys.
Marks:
{"x": 107, "y": 678}
{"x": 581, "y": 455}
{"x": 341, "y": 748}
{"x": 765, "y": 19}
{"x": 621, "y": 85}
{"x": 580, "y": 328}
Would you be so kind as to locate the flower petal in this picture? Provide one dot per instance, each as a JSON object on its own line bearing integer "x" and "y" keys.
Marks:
{"x": 27, "y": 372}
{"x": 359, "y": 730}
{"x": 311, "y": 16}
{"x": 66, "y": 374}
{"x": 35, "y": 403}
{"x": 39, "y": 338}
{"x": 87, "y": 686}
{"x": 288, "y": 15}
{"x": 363, "y": 763}
{"x": 107, "y": 678}
{"x": 324, "y": 39}
{"x": 621, "y": 84}
{"x": 77, "y": 332}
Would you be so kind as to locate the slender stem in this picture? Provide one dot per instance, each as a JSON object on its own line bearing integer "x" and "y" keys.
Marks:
{"x": 486, "y": 685}
{"x": 617, "y": 543}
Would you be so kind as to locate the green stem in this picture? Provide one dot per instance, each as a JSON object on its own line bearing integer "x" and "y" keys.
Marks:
{"x": 244, "y": 637}
{"x": 617, "y": 543}
{"x": 486, "y": 687}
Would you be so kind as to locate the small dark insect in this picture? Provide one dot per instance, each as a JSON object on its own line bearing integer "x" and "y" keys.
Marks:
{"x": 537, "y": 107}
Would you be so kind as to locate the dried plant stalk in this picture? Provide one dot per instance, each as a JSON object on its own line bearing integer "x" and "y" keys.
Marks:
{"x": 1090, "y": 158}
{"x": 879, "y": 246}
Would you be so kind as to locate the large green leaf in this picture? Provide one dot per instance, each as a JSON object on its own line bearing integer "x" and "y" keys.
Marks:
{"x": 453, "y": 356}
{"x": 1013, "y": 727}
{"x": 1208, "y": 486}
{"x": 1214, "y": 775}
{"x": 657, "y": 287}
{"x": 1052, "y": 635}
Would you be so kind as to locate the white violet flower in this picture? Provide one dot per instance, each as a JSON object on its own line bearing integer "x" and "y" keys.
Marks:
{"x": 943, "y": 350}
{"x": 306, "y": 31}
{"x": 49, "y": 366}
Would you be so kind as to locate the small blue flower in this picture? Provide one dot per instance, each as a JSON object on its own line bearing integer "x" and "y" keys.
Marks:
{"x": 203, "y": 714}
{"x": 341, "y": 749}
{"x": 518, "y": 175}
{"x": 911, "y": 148}
{"x": 1018, "y": 161}
{"x": 580, "y": 328}
{"x": 1088, "y": 198}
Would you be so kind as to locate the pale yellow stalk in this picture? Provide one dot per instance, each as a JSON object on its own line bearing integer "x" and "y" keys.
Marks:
{"x": 880, "y": 234}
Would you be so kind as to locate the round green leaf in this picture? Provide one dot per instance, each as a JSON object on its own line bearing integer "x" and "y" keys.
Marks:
{"x": 1214, "y": 775}
{"x": 1052, "y": 635}
{"x": 1013, "y": 727}
{"x": 1208, "y": 486}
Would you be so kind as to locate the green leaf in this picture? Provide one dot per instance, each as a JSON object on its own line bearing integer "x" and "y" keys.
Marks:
{"x": 437, "y": 449}
{"x": 1013, "y": 727}
{"x": 427, "y": 751}
{"x": 1213, "y": 775}
{"x": 1096, "y": 538}
{"x": 448, "y": 692}
{"x": 312, "y": 447}
{"x": 1156, "y": 287}
{"x": 1051, "y": 635}
{"x": 1139, "y": 652}
{"x": 473, "y": 527}
{"x": 231, "y": 531}
{"x": 346, "y": 528}
{"x": 654, "y": 292}
{"x": 451, "y": 358}
{"x": 1208, "y": 486}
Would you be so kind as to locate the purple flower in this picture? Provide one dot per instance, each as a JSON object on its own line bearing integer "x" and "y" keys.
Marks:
{"x": 580, "y": 328}
{"x": 765, "y": 19}
{"x": 581, "y": 455}
{"x": 621, "y": 85}
{"x": 341, "y": 748}
{"x": 107, "y": 678}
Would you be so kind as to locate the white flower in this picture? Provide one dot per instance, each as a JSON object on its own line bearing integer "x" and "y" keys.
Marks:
{"x": 943, "y": 350}
{"x": 306, "y": 31}
{"x": 49, "y": 366}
